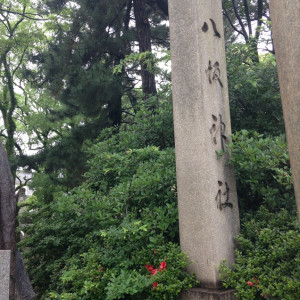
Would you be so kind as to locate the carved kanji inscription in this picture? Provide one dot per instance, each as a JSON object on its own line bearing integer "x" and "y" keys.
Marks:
{"x": 222, "y": 197}
{"x": 205, "y": 28}
{"x": 217, "y": 131}
{"x": 213, "y": 72}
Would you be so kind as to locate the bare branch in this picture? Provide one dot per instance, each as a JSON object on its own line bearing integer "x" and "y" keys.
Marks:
{"x": 244, "y": 32}
{"x": 24, "y": 15}
{"x": 20, "y": 62}
{"x": 225, "y": 13}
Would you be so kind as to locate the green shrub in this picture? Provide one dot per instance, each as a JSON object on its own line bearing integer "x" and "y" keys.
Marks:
{"x": 95, "y": 241}
{"x": 146, "y": 127}
{"x": 87, "y": 278}
{"x": 263, "y": 172}
{"x": 268, "y": 255}
{"x": 268, "y": 258}
{"x": 125, "y": 210}
{"x": 253, "y": 92}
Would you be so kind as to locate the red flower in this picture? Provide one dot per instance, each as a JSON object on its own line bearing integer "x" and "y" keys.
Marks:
{"x": 154, "y": 251}
{"x": 256, "y": 280}
{"x": 163, "y": 265}
{"x": 154, "y": 285}
{"x": 153, "y": 271}
{"x": 250, "y": 283}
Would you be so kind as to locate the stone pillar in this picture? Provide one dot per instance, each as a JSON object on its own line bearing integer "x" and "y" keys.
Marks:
{"x": 4, "y": 274}
{"x": 207, "y": 199}
{"x": 285, "y": 17}
{"x": 208, "y": 294}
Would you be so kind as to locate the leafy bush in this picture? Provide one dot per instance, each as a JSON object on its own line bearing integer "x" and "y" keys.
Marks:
{"x": 146, "y": 127}
{"x": 268, "y": 255}
{"x": 115, "y": 220}
{"x": 253, "y": 92}
{"x": 268, "y": 258}
{"x": 116, "y": 235}
{"x": 88, "y": 279}
{"x": 262, "y": 171}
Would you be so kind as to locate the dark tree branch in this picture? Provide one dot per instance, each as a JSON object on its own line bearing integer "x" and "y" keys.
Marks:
{"x": 225, "y": 13}
{"x": 24, "y": 15}
{"x": 26, "y": 180}
{"x": 18, "y": 148}
{"x": 247, "y": 13}
{"x": 7, "y": 28}
{"x": 244, "y": 32}
{"x": 8, "y": 23}
{"x": 17, "y": 24}
{"x": 16, "y": 144}
{"x": 20, "y": 62}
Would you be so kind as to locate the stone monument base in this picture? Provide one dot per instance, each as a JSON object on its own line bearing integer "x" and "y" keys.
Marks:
{"x": 208, "y": 294}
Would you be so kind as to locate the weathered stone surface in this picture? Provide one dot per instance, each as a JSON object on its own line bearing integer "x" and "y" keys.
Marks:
{"x": 24, "y": 290}
{"x": 4, "y": 274}
{"x": 207, "y": 200}
{"x": 208, "y": 294}
{"x": 285, "y": 16}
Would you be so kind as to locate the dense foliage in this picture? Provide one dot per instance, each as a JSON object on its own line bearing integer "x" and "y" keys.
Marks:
{"x": 254, "y": 92}
{"x": 268, "y": 255}
{"x": 94, "y": 241}
{"x": 267, "y": 260}
{"x": 82, "y": 87}
{"x": 121, "y": 223}
{"x": 262, "y": 171}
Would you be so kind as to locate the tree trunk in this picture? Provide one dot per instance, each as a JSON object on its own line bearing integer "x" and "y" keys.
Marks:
{"x": 143, "y": 30}
{"x": 8, "y": 211}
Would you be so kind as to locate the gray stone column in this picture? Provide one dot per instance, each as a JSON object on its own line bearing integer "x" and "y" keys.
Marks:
{"x": 207, "y": 200}
{"x": 4, "y": 274}
{"x": 285, "y": 17}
